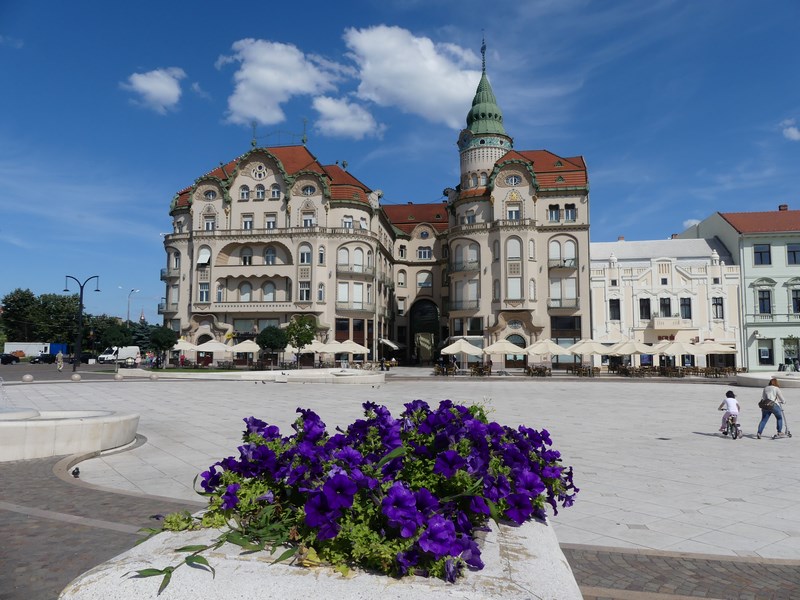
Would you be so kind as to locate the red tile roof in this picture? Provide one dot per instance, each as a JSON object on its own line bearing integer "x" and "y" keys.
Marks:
{"x": 344, "y": 186}
{"x": 764, "y": 222}
{"x": 407, "y": 216}
{"x": 553, "y": 171}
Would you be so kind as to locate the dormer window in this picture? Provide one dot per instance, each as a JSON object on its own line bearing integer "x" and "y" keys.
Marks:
{"x": 210, "y": 195}
{"x": 308, "y": 190}
{"x": 513, "y": 180}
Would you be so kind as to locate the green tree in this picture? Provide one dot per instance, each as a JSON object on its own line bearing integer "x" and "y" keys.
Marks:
{"x": 140, "y": 335}
{"x": 19, "y": 315}
{"x": 272, "y": 339}
{"x": 95, "y": 327}
{"x": 162, "y": 339}
{"x": 116, "y": 335}
{"x": 301, "y": 331}
{"x": 56, "y": 317}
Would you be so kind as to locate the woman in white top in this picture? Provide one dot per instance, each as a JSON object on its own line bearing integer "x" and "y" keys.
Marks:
{"x": 773, "y": 398}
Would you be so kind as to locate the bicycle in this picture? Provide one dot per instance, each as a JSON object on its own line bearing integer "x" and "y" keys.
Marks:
{"x": 732, "y": 428}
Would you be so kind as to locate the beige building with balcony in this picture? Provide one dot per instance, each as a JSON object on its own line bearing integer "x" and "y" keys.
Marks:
{"x": 675, "y": 289}
{"x": 274, "y": 233}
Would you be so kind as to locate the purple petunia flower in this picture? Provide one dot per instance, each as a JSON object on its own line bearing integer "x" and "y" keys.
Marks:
{"x": 427, "y": 503}
{"x": 447, "y": 463}
{"x": 478, "y": 505}
{"x": 229, "y": 498}
{"x": 269, "y": 497}
{"x": 407, "y": 560}
{"x": 519, "y": 508}
{"x": 470, "y": 552}
{"x": 320, "y": 514}
{"x": 210, "y": 479}
{"x": 439, "y": 538}
{"x": 339, "y": 491}
{"x": 552, "y": 472}
{"x": 529, "y": 483}
{"x": 452, "y": 569}
{"x": 496, "y": 488}
{"x": 400, "y": 508}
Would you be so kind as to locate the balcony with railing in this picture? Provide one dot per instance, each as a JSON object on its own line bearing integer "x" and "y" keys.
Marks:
{"x": 461, "y": 305}
{"x": 670, "y": 323}
{"x": 562, "y": 263}
{"x": 167, "y": 274}
{"x": 343, "y": 269}
{"x": 465, "y": 265}
{"x": 355, "y": 306}
{"x": 556, "y": 303}
{"x": 165, "y": 308}
{"x": 772, "y": 318}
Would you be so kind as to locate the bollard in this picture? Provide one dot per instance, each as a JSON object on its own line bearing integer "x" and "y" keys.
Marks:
{"x": 27, "y": 378}
{"x": 75, "y": 377}
{"x": 118, "y": 377}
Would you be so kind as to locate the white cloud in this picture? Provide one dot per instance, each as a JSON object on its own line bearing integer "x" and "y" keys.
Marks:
{"x": 413, "y": 73}
{"x": 270, "y": 74}
{"x": 340, "y": 118}
{"x": 11, "y": 42}
{"x": 790, "y": 130}
{"x": 690, "y": 223}
{"x": 159, "y": 90}
{"x": 197, "y": 89}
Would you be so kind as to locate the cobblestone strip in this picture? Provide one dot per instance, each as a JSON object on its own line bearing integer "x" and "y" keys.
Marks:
{"x": 53, "y": 530}
{"x": 632, "y": 575}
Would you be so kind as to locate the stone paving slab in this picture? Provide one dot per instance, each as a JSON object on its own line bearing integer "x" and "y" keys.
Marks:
{"x": 656, "y": 478}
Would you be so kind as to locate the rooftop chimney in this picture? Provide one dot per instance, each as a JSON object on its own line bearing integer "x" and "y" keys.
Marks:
{"x": 621, "y": 238}
{"x": 782, "y": 207}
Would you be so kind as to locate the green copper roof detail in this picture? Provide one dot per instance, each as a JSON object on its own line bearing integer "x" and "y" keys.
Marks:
{"x": 485, "y": 115}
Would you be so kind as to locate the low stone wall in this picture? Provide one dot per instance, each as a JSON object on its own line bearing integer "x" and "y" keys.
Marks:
{"x": 520, "y": 563}
{"x": 56, "y": 433}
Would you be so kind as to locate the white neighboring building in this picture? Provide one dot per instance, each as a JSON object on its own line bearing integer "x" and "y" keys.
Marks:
{"x": 766, "y": 246}
{"x": 673, "y": 289}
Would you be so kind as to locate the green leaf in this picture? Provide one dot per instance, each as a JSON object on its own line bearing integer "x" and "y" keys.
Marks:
{"x": 196, "y": 491}
{"x": 493, "y": 512}
{"x": 165, "y": 581}
{"x": 287, "y": 554}
{"x": 200, "y": 562}
{"x": 399, "y": 451}
{"x": 141, "y": 573}
{"x": 195, "y": 548}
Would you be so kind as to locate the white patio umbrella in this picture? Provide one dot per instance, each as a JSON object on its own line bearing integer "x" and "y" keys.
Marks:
{"x": 332, "y": 347}
{"x": 546, "y": 346}
{"x": 503, "y": 347}
{"x": 184, "y": 346}
{"x": 314, "y": 346}
{"x": 462, "y": 347}
{"x": 627, "y": 347}
{"x": 246, "y": 346}
{"x": 677, "y": 348}
{"x": 213, "y": 346}
{"x": 712, "y": 347}
{"x": 588, "y": 346}
{"x": 352, "y": 347}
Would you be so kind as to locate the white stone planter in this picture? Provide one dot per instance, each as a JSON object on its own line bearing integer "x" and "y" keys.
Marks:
{"x": 520, "y": 563}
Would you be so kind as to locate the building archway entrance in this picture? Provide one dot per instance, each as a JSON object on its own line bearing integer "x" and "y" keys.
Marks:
{"x": 424, "y": 320}
{"x": 517, "y": 361}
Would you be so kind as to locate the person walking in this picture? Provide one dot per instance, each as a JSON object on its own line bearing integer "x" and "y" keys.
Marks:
{"x": 770, "y": 404}
{"x": 60, "y": 361}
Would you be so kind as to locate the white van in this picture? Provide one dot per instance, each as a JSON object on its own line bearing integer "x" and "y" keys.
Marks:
{"x": 118, "y": 354}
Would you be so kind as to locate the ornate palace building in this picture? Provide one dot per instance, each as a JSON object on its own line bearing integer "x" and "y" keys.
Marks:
{"x": 274, "y": 234}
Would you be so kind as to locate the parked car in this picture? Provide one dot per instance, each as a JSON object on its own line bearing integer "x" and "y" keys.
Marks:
{"x": 43, "y": 359}
{"x": 8, "y": 359}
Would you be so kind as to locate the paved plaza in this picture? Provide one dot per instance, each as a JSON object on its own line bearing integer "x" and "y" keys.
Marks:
{"x": 668, "y": 508}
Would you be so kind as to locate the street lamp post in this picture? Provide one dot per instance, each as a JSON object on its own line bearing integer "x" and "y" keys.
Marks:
{"x": 79, "y": 336}
{"x": 128, "y": 319}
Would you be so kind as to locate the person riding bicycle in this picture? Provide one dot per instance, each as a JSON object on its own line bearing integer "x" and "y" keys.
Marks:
{"x": 731, "y": 408}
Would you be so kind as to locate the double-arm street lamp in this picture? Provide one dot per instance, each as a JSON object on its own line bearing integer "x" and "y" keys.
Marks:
{"x": 79, "y": 335}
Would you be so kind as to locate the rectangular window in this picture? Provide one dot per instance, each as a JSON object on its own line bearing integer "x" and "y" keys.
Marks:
{"x": 665, "y": 307}
{"x": 644, "y": 309}
{"x": 717, "y": 311}
{"x": 342, "y": 330}
{"x": 765, "y": 353}
{"x": 470, "y": 218}
{"x": 664, "y": 281}
{"x": 793, "y": 254}
{"x": 210, "y": 223}
{"x": 514, "y": 291}
{"x": 686, "y": 308}
{"x": 342, "y": 292}
{"x": 203, "y": 295}
{"x": 347, "y": 222}
{"x": 247, "y": 221}
{"x": 402, "y": 251}
{"x": 458, "y": 326}
{"x": 247, "y": 259}
{"x": 305, "y": 256}
{"x": 305, "y": 291}
{"x": 401, "y": 306}
{"x": 513, "y": 212}
{"x": 762, "y": 254}
{"x": 220, "y": 293}
{"x": 321, "y": 292}
{"x": 613, "y": 309}
{"x": 270, "y": 221}
{"x": 765, "y": 302}
{"x": 424, "y": 253}
{"x": 715, "y": 280}
{"x": 796, "y": 301}
{"x": 308, "y": 220}
{"x": 570, "y": 213}
{"x": 613, "y": 283}
{"x": 553, "y": 213}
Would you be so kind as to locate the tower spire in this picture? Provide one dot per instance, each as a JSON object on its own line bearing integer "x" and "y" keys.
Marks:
{"x": 483, "y": 53}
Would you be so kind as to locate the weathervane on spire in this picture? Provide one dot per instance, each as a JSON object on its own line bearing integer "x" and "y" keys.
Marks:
{"x": 483, "y": 52}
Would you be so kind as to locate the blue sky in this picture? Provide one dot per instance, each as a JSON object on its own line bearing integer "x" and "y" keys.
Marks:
{"x": 680, "y": 108}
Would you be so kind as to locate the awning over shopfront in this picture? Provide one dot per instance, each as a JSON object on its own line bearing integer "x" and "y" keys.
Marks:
{"x": 389, "y": 343}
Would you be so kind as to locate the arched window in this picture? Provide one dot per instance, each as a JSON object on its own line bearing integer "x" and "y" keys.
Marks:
{"x": 483, "y": 178}
{"x": 358, "y": 260}
{"x": 369, "y": 258}
{"x": 220, "y": 292}
{"x": 204, "y": 256}
{"x": 246, "y": 256}
{"x": 532, "y": 289}
{"x": 269, "y": 255}
{"x": 268, "y": 291}
{"x": 276, "y": 190}
{"x": 261, "y": 193}
{"x": 469, "y": 218}
{"x": 531, "y": 250}
{"x": 513, "y": 249}
{"x": 496, "y": 250}
{"x": 457, "y": 256}
{"x": 474, "y": 180}
{"x": 401, "y": 278}
{"x": 473, "y": 253}
{"x": 244, "y": 193}
{"x": 288, "y": 289}
{"x": 305, "y": 254}
{"x": 308, "y": 190}
{"x": 321, "y": 255}
{"x": 554, "y": 250}
{"x": 321, "y": 292}
{"x": 176, "y": 260}
{"x": 245, "y": 292}
{"x": 496, "y": 290}
{"x": 570, "y": 249}
{"x": 343, "y": 257}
